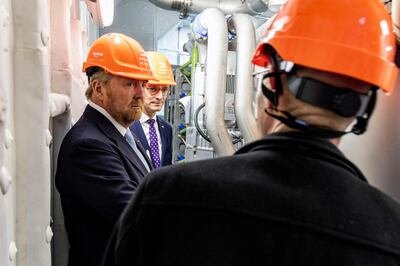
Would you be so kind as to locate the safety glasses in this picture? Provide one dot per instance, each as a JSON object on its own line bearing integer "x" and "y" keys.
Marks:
{"x": 154, "y": 90}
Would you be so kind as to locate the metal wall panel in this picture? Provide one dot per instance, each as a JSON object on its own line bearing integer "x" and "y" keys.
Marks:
{"x": 377, "y": 151}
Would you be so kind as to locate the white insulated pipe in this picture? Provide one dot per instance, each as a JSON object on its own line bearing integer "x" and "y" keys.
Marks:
{"x": 32, "y": 138}
{"x": 58, "y": 104}
{"x": 262, "y": 29}
{"x": 244, "y": 94}
{"x": 79, "y": 79}
{"x": 251, "y": 7}
{"x": 396, "y": 17}
{"x": 60, "y": 32}
{"x": 7, "y": 143}
{"x": 213, "y": 20}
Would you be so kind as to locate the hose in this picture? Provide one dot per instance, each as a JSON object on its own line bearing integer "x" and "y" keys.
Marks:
{"x": 201, "y": 132}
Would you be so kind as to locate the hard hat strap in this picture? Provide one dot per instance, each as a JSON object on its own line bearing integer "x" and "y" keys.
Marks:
{"x": 273, "y": 96}
{"x": 296, "y": 123}
{"x": 362, "y": 121}
{"x": 320, "y": 94}
{"x": 91, "y": 70}
{"x": 343, "y": 102}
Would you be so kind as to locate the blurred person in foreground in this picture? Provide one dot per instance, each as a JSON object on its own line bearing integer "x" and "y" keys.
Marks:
{"x": 291, "y": 198}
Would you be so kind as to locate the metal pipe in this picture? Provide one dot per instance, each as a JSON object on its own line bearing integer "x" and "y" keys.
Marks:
{"x": 214, "y": 21}
{"x": 262, "y": 29}
{"x": 244, "y": 96}
{"x": 251, "y": 7}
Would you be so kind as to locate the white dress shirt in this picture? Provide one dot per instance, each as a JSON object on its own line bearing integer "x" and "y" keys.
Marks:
{"x": 120, "y": 128}
{"x": 117, "y": 125}
{"x": 146, "y": 128}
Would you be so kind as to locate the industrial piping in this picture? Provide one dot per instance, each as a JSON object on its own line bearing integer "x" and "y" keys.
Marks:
{"x": 246, "y": 43}
{"x": 396, "y": 17}
{"x": 251, "y": 7}
{"x": 213, "y": 21}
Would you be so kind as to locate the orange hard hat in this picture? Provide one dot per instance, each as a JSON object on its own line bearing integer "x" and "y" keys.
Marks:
{"x": 353, "y": 38}
{"x": 161, "y": 69}
{"x": 119, "y": 55}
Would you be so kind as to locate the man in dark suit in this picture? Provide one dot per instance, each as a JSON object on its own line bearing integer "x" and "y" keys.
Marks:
{"x": 153, "y": 132}
{"x": 291, "y": 198}
{"x": 100, "y": 165}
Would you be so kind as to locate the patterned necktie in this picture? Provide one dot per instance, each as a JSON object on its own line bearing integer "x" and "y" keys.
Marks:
{"x": 154, "y": 151}
{"x": 131, "y": 141}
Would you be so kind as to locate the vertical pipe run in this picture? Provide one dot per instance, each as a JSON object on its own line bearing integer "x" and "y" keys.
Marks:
{"x": 31, "y": 80}
{"x": 79, "y": 80}
{"x": 396, "y": 17}
{"x": 7, "y": 145}
{"x": 214, "y": 21}
{"x": 244, "y": 94}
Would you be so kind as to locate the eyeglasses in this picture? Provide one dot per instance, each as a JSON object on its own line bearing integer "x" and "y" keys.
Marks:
{"x": 155, "y": 90}
{"x": 269, "y": 76}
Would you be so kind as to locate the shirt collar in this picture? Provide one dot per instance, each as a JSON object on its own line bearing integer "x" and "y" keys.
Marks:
{"x": 144, "y": 118}
{"x": 117, "y": 125}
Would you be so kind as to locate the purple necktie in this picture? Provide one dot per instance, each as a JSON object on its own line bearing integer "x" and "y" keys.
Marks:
{"x": 154, "y": 152}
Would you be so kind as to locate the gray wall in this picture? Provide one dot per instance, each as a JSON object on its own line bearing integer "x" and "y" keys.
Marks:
{"x": 142, "y": 21}
{"x": 377, "y": 152}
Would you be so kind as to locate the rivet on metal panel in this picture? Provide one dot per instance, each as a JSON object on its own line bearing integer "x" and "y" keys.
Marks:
{"x": 9, "y": 139}
{"x": 44, "y": 35}
{"x": 12, "y": 251}
{"x": 5, "y": 180}
{"x": 49, "y": 234}
{"x": 49, "y": 138}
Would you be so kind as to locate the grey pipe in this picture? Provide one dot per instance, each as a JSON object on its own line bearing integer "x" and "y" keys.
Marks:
{"x": 214, "y": 21}
{"x": 246, "y": 43}
{"x": 251, "y": 7}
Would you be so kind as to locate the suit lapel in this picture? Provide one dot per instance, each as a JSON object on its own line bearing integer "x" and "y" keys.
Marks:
{"x": 143, "y": 151}
{"x": 114, "y": 135}
{"x": 137, "y": 130}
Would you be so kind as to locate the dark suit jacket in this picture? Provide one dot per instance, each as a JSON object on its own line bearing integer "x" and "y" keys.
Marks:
{"x": 96, "y": 176}
{"x": 166, "y": 139}
{"x": 288, "y": 199}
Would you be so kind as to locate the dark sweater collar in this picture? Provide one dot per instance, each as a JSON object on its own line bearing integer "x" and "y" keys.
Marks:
{"x": 308, "y": 145}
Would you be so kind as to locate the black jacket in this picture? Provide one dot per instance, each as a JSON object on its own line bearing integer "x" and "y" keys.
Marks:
{"x": 97, "y": 173}
{"x": 288, "y": 199}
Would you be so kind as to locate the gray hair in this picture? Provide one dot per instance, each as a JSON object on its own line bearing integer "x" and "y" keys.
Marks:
{"x": 100, "y": 76}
